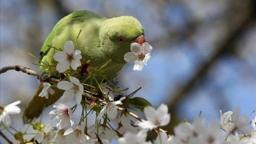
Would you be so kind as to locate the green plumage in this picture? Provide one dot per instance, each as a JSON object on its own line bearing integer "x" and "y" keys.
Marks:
{"x": 101, "y": 41}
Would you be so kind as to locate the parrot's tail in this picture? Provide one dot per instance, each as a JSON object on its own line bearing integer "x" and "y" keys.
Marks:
{"x": 37, "y": 104}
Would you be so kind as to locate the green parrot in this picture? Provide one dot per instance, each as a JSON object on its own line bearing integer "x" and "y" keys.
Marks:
{"x": 102, "y": 41}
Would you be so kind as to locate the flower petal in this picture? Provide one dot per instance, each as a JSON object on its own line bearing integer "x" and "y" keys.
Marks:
{"x": 64, "y": 85}
{"x": 12, "y": 108}
{"x": 78, "y": 98}
{"x": 74, "y": 80}
{"x": 130, "y": 57}
{"x": 77, "y": 54}
{"x": 5, "y": 119}
{"x": 150, "y": 113}
{"x": 111, "y": 110}
{"x": 146, "y": 48}
{"x": 102, "y": 113}
{"x": 75, "y": 64}
{"x": 59, "y": 56}
{"x": 68, "y": 131}
{"x": 146, "y": 59}
{"x": 68, "y": 96}
{"x": 62, "y": 67}
{"x": 135, "y": 47}
{"x": 146, "y": 125}
{"x": 69, "y": 47}
{"x": 138, "y": 66}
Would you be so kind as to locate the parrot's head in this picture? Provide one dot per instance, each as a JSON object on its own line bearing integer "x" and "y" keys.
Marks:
{"x": 117, "y": 34}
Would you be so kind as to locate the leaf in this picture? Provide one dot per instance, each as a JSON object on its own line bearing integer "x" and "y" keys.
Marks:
{"x": 139, "y": 103}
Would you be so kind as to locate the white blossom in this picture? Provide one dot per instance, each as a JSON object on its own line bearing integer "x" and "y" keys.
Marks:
{"x": 183, "y": 132}
{"x": 69, "y": 57}
{"x": 73, "y": 90}
{"x": 110, "y": 110}
{"x": 134, "y": 138}
{"x": 250, "y": 139}
{"x": 77, "y": 135}
{"x": 226, "y": 121}
{"x": 139, "y": 55}
{"x": 163, "y": 138}
{"x": 234, "y": 122}
{"x": 127, "y": 123}
{"x": 155, "y": 118}
{"x": 8, "y": 110}
{"x": 46, "y": 90}
{"x": 64, "y": 116}
{"x": 208, "y": 135}
{"x": 102, "y": 132}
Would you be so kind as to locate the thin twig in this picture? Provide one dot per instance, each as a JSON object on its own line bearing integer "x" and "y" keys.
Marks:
{"x": 5, "y": 137}
{"x": 20, "y": 69}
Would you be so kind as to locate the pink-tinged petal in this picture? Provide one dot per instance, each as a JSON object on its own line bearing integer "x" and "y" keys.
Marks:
{"x": 69, "y": 47}
{"x": 75, "y": 64}
{"x": 130, "y": 57}
{"x": 135, "y": 47}
{"x": 62, "y": 67}
{"x": 147, "y": 48}
{"x": 64, "y": 85}
{"x": 60, "y": 56}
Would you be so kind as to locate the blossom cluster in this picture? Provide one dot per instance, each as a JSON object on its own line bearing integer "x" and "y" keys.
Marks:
{"x": 103, "y": 113}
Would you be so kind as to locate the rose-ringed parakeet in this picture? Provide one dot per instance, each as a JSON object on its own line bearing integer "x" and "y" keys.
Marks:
{"x": 102, "y": 41}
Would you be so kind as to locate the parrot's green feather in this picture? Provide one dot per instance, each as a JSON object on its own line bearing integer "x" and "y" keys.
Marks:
{"x": 103, "y": 42}
{"x": 75, "y": 17}
{"x": 82, "y": 27}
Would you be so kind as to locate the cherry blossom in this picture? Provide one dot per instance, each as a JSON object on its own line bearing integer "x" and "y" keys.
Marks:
{"x": 110, "y": 110}
{"x": 155, "y": 117}
{"x": 233, "y": 121}
{"x": 134, "y": 138}
{"x": 69, "y": 57}
{"x": 139, "y": 55}
{"x": 73, "y": 90}
{"x": 163, "y": 138}
{"x": 63, "y": 114}
{"x": 46, "y": 90}
{"x": 8, "y": 110}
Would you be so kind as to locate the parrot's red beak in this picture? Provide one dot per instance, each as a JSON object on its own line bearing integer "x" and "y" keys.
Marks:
{"x": 140, "y": 40}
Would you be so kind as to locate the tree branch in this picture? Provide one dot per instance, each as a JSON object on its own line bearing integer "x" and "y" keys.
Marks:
{"x": 18, "y": 68}
{"x": 243, "y": 23}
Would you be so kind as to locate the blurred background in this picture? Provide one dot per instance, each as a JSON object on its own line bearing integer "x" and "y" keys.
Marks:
{"x": 204, "y": 57}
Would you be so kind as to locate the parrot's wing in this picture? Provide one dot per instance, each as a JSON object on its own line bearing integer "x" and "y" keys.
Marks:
{"x": 74, "y": 17}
